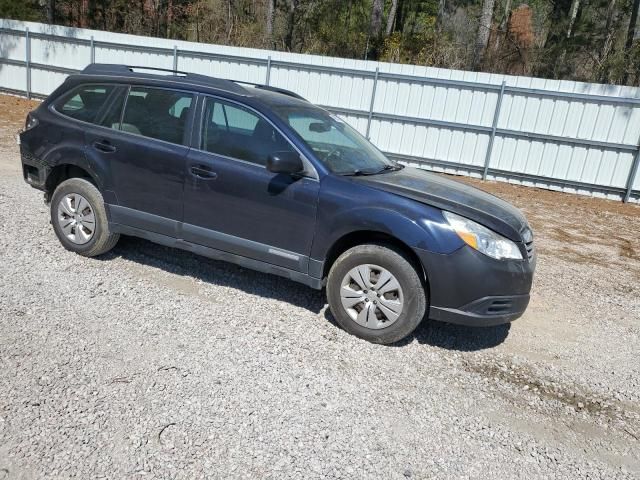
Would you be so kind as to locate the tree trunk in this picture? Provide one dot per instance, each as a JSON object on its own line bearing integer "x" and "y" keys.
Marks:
{"x": 503, "y": 25}
{"x": 376, "y": 19}
{"x": 573, "y": 13}
{"x": 442, "y": 4}
{"x": 169, "y": 18}
{"x": 271, "y": 11}
{"x": 291, "y": 21}
{"x": 575, "y": 5}
{"x": 392, "y": 17}
{"x": 229, "y": 21}
{"x": 51, "y": 11}
{"x": 484, "y": 28}
{"x": 611, "y": 10}
{"x": 631, "y": 33}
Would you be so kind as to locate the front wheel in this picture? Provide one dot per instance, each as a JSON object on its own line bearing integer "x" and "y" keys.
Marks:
{"x": 376, "y": 293}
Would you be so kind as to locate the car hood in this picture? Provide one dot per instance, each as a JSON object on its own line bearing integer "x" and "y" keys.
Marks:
{"x": 445, "y": 194}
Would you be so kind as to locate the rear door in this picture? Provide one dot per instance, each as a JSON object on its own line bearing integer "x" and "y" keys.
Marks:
{"x": 143, "y": 139}
{"x": 233, "y": 203}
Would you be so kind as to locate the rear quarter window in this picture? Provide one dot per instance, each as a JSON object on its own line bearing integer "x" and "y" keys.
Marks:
{"x": 84, "y": 102}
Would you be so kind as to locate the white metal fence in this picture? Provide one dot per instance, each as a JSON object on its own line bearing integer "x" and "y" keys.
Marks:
{"x": 571, "y": 136}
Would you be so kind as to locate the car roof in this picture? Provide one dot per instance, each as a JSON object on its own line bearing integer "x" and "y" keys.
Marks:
{"x": 266, "y": 94}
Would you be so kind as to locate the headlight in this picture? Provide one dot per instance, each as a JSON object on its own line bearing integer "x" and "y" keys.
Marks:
{"x": 482, "y": 239}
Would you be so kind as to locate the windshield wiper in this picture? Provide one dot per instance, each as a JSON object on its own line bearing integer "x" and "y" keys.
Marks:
{"x": 393, "y": 168}
{"x": 358, "y": 173}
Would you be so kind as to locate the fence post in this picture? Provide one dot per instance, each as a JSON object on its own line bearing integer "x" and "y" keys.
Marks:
{"x": 92, "y": 57}
{"x": 268, "y": 79}
{"x": 28, "y": 62}
{"x": 632, "y": 175}
{"x": 175, "y": 59}
{"x": 373, "y": 99}
{"x": 494, "y": 126}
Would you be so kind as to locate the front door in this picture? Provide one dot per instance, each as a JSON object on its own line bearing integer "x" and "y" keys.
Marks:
{"x": 145, "y": 148}
{"x": 233, "y": 203}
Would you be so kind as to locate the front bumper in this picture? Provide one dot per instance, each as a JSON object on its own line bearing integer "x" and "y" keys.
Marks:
{"x": 467, "y": 287}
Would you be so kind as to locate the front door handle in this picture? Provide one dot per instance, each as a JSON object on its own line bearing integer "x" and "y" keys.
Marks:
{"x": 104, "y": 146}
{"x": 202, "y": 171}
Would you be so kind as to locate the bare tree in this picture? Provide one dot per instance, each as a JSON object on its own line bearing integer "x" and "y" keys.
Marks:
{"x": 503, "y": 24}
{"x": 573, "y": 13}
{"x": 375, "y": 29}
{"x": 376, "y": 18}
{"x": 484, "y": 28}
{"x": 271, "y": 11}
{"x": 51, "y": 11}
{"x": 291, "y": 21}
{"x": 606, "y": 47}
{"x": 442, "y": 5}
{"x": 391, "y": 20}
{"x": 631, "y": 33}
{"x": 229, "y": 21}
{"x": 169, "y": 18}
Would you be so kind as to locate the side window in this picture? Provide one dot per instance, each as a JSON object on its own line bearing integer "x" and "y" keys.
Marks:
{"x": 237, "y": 132}
{"x": 157, "y": 113}
{"x": 85, "y": 102}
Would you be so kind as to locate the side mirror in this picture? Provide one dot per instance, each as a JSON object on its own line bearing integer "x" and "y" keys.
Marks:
{"x": 285, "y": 162}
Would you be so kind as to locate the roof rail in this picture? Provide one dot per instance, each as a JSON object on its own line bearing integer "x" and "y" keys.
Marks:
{"x": 272, "y": 89}
{"x": 114, "y": 67}
{"x": 118, "y": 69}
{"x": 233, "y": 85}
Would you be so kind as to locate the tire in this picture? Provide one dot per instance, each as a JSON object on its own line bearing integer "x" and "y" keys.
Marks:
{"x": 74, "y": 193}
{"x": 379, "y": 305}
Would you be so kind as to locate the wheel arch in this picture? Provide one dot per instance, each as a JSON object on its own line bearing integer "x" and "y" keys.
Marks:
{"x": 361, "y": 237}
{"x": 65, "y": 171}
{"x": 69, "y": 160}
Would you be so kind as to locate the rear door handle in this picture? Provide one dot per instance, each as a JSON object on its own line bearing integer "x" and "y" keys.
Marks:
{"x": 202, "y": 171}
{"x": 104, "y": 146}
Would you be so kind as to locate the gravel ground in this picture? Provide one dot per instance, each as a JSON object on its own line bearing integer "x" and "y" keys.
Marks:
{"x": 155, "y": 363}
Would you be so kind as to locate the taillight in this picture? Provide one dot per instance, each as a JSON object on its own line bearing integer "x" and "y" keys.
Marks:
{"x": 31, "y": 122}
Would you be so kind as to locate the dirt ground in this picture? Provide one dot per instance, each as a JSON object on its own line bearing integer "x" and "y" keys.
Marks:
{"x": 566, "y": 375}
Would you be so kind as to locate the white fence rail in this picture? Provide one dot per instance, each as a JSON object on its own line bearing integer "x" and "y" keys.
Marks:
{"x": 570, "y": 136}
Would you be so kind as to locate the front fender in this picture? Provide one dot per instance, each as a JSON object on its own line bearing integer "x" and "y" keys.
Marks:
{"x": 426, "y": 231}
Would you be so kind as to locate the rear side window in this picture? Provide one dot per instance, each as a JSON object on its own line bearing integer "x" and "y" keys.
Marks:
{"x": 85, "y": 102}
{"x": 236, "y": 132}
{"x": 157, "y": 113}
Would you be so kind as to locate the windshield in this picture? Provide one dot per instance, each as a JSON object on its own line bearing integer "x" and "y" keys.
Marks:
{"x": 339, "y": 146}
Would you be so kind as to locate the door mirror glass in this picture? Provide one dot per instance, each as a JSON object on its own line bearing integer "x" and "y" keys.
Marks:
{"x": 285, "y": 162}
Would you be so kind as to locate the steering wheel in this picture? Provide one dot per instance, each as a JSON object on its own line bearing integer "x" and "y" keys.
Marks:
{"x": 335, "y": 152}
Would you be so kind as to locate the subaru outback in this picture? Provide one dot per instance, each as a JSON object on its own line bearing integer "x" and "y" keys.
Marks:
{"x": 260, "y": 177}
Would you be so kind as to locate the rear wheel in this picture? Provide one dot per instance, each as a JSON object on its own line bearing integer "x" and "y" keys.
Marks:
{"x": 79, "y": 218}
{"x": 376, "y": 293}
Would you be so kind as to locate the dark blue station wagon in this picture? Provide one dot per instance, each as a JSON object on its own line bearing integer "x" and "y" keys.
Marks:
{"x": 260, "y": 177}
